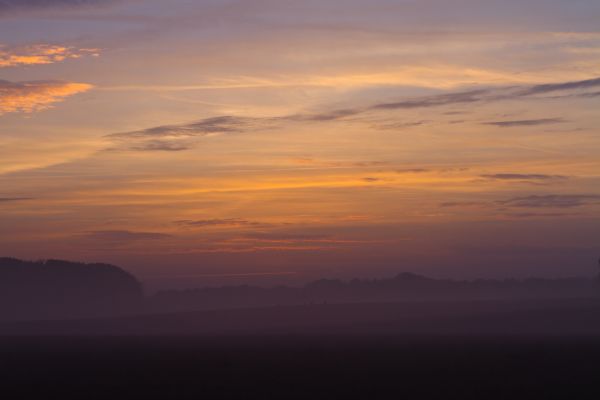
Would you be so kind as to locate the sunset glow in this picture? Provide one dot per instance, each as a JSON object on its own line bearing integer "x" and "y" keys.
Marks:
{"x": 204, "y": 141}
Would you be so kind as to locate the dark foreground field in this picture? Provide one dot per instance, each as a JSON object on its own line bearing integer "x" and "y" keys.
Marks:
{"x": 534, "y": 349}
{"x": 299, "y": 367}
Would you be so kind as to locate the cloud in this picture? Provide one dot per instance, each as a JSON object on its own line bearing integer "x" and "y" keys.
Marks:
{"x": 224, "y": 124}
{"x": 539, "y": 215}
{"x": 40, "y": 54}
{"x": 371, "y": 179}
{"x": 399, "y": 125}
{"x": 522, "y": 177}
{"x": 339, "y": 164}
{"x": 556, "y": 87}
{"x": 12, "y": 199}
{"x": 527, "y": 122}
{"x": 435, "y": 101}
{"x": 590, "y": 95}
{"x": 463, "y": 204}
{"x": 368, "y": 164}
{"x": 551, "y": 201}
{"x": 288, "y": 237}
{"x": 181, "y": 137}
{"x": 329, "y": 116}
{"x": 460, "y": 98}
{"x": 185, "y": 136}
{"x": 161, "y": 145}
{"x": 227, "y": 222}
{"x": 533, "y": 201}
{"x": 36, "y": 95}
{"x": 488, "y": 95}
{"x": 10, "y": 6}
{"x": 124, "y": 236}
{"x": 413, "y": 171}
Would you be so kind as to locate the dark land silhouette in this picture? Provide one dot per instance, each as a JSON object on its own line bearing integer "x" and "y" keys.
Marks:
{"x": 56, "y": 289}
{"x": 104, "y": 298}
{"x": 401, "y": 288}
{"x": 73, "y": 330}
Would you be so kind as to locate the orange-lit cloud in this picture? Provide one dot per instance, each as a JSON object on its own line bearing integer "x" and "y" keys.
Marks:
{"x": 36, "y": 95}
{"x": 40, "y": 54}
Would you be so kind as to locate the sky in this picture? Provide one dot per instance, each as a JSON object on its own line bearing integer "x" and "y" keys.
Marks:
{"x": 214, "y": 142}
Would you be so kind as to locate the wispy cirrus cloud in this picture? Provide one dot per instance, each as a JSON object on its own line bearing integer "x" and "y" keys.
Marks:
{"x": 371, "y": 179}
{"x": 532, "y": 201}
{"x": 33, "y": 96}
{"x": 527, "y": 122}
{"x": 225, "y": 222}
{"x": 463, "y": 204}
{"x": 552, "y": 201}
{"x": 523, "y": 177}
{"x": 185, "y": 136}
{"x": 558, "y": 87}
{"x": 161, "y": 145}
{"x": 14, "y": 199}
{"x": 469, "y": 97}
{"x": 205, "y": 127}
{"x": 338, "y": 164}
{"x": 412, "y": 171}
{"x": 290, "y": 238}
{"x": 123, "y": 236}
{"x": 525, "y": 215}
{"x": 328, "y": 116}
{"x": 40, "y": 54}
{"x": 180, "y": 137}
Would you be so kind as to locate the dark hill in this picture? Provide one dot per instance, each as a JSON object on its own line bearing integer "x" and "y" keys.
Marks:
{"x": 61, "y": 289}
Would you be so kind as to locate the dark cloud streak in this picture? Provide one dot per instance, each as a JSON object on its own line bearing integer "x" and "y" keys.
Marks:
{"x": 555, "y": 87}
{"x": 14, "y": 199}
{"x": 518, "y": 177}
{"x": 552, "y": 201}
{"x": 227, "y": 222}
{"x": 224, "y": 124}
{"x": 527, "y": 122}
{"x": 184, "y": 136}
{"x": 435, "y": 101}
{"x": 124, "y": 236}
{"x": 11, "y": 6}
{"x": 180, "y": 137}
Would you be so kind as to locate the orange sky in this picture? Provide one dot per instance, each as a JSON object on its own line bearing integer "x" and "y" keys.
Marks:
{"x": 277, "y": 141}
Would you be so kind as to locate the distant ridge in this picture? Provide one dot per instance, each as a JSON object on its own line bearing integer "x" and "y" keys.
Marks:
{"x": 406, "y": 286}
{"x": 57, "y": 289}
{"x": 51, "y": 289}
